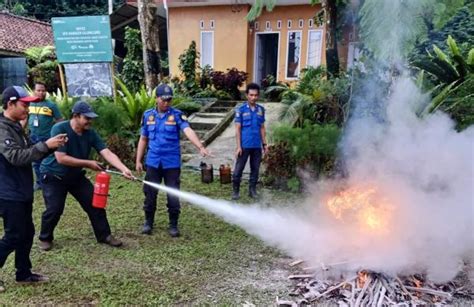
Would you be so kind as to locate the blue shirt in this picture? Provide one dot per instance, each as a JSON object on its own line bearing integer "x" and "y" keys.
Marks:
{"x": 77, "y": 146}
{"x": 163, "y": 131}
{"x": 250, "y": 122}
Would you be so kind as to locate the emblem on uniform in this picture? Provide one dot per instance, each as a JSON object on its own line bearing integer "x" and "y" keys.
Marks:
{"x": 151, "y": 118}
{"x": 171, "y": 118}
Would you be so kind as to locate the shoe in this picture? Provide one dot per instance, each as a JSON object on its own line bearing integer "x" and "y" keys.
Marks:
{"x": 173, "y": 231}
{"x": 253, "y": 192}
{"x": 235, "y": 191}
{"x": 33, "y": 279}
{"x": 36, "y": 187}
{"x": 146, "y": 230}
{"x": 110, "y": 240}
{"x": 45, "y": 245}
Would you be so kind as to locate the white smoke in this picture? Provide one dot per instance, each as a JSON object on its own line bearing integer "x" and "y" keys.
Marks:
{"x": 422, "y": 166}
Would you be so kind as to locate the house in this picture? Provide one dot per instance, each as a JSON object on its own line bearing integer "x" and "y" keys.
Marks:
{"x": 16, "y": 35}
{"x": 279, "y": 43}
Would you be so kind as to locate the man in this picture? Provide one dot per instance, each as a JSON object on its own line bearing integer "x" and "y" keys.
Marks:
{"x": 16, "y": 177}
{"x": 160, "y": 134}
{"x": 63, "y": 172}
{"x": 42, "y": 116}
{"x": 251, "y": 139}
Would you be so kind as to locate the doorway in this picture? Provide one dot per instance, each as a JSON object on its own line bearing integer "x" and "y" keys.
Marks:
{"x": 266, "y": 55}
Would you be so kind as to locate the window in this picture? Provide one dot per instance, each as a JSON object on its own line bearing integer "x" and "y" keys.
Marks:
{"x": 290, "y": 23}
{"x": 315, "y": 38}
{"x": 268, "y": 25}
{"x": 310, "y": 23}
{"x": 301, "y": 23}
{"x": 207, "y": 48}
{"x": 256, "y": 25}
{"x": 201, "y": 24}
{"x": 211, "y": 24}
{"x": 293, "y": 54}
{"x": 279, "y": 24}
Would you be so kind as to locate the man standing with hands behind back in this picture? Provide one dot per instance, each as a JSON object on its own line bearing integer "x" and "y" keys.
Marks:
{"x": 16, "y": 177}
{"x": 251, "y": 140}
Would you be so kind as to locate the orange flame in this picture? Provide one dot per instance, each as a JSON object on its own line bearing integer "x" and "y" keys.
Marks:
{"x": 371, "y": 211}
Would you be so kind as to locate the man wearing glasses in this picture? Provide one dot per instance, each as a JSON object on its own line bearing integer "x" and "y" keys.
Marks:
{"x": 63, "y": 173}
{"x": 160, "y": 132}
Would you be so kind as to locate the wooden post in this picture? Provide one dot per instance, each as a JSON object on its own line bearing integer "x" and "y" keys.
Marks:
{"x": 62, "y": 79}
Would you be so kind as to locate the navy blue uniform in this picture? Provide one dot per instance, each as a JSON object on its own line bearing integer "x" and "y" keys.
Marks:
{"x": 163, "y": 158}
{"x": 251, "y": 122}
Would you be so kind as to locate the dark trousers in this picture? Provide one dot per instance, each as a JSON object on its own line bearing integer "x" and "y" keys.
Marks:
{"x": 255, "y": 155}
{"x": 171, "y": 178}
{"x": 55, "y": 190}
{"x": 19, "y": 232}
{"x": 36, "y": 164}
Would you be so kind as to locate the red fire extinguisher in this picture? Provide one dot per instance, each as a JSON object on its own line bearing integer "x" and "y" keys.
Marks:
{"x": 101, "y": 190}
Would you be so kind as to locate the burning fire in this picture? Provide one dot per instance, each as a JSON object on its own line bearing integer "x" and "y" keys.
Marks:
{"x": 366, "y": 206}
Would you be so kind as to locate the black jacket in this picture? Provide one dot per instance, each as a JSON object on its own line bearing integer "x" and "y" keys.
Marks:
{"x": 16, "y": 156}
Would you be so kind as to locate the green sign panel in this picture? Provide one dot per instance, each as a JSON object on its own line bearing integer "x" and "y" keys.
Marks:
{"x": 82, "y": 39}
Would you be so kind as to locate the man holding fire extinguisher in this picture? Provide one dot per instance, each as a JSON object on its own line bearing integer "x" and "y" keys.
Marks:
{"x": 63, "y": 173}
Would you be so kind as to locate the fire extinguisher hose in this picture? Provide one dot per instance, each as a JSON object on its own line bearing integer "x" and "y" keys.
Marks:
{"x": 119, "y": 173}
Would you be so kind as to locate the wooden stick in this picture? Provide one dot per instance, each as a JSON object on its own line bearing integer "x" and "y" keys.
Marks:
{"x": 333, "y": 288}
{"x": 405, "y": 289}
{"x": 382, "y": 297}
{"x": 296, "y": 262}
{"x": 361, "y": 294}
{"x": 300, "y": 276}
{"x": 429, "y": 291}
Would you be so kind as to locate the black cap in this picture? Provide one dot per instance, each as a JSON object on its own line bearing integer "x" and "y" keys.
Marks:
{"x": 13, "y": 93}
{"x": 82, "y": 107}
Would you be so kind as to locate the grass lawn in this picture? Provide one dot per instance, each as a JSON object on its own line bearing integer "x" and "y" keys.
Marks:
{"x": 212, "y": 263}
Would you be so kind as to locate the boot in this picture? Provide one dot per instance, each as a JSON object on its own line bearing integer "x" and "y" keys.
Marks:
{"x": 148, "y": 226}
{"x": 253, "y": 191}
{"x": 235, "y": 191}
{"x": 173, "y": 230}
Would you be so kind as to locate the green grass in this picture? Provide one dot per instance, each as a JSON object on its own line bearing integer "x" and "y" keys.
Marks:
{"x": 212, "y": 263}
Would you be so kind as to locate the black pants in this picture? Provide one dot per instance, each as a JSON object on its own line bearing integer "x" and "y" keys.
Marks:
{"x": 255, "y": 155}
{"x": 171, "y": 177}
{"x": 55, "y": 190}
{"x": 18, "y": 236}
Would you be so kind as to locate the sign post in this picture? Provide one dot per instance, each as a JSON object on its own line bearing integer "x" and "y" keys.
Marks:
{"x": 82, "y": 39}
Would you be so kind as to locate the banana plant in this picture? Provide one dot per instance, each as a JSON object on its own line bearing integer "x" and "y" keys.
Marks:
{"x": 134, "y": 104}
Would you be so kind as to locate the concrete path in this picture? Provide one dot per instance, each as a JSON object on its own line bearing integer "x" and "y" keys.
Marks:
{"x": 223, "y": 147}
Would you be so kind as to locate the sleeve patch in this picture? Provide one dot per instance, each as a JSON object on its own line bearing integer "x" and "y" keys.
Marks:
{"x": 8, "y": 142}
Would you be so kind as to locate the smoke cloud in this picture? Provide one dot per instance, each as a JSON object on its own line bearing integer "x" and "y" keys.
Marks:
{"x": 421, "y": 168}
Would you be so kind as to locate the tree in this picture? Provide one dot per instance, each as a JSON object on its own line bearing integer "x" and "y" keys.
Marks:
{"x": 148, "y": 20}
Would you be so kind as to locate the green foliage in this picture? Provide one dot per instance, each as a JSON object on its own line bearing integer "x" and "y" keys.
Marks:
{"x": 316, "y": 99}
{"x": 63, "y": 101}
{"x": 123, "y": 147}
{"x": 112, "y": 117}
{"x": 42, "y": 66}
{"x": 188, "y": 65}
{"x": 188, "y": 107}
{"x": 257, "y": 8}
{"x": 134, "y": 104}
{"x": 311, "y": 147}
{"x": 452, "y": 75}
{"x": 459, "y": 27}
{"x": 132, "y": 73}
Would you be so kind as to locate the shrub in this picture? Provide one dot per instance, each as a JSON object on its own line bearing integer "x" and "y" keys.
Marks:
{"x": 123, "y": 147}
{"x": 188, "y": 107}
{"x": 132, "y": 73}
{"x": 187, "y": 65}
{"x": 112, "y": 117}
{"x": 229, "y": 81}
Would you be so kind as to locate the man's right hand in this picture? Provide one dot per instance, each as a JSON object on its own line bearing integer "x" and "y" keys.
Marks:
{"x": 139, "y": 167}
{"x": 95, "y": 166}
{"x": 56, "y": 141}
{"x": 238, "y": 152}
